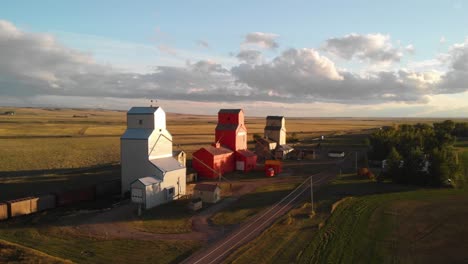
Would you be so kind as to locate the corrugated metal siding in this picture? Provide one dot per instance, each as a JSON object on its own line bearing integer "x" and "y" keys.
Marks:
{"x": 33, "y": 205}
{"x": 70, "y": 197}
{"x": 19, "y": 207}
{"x": 108, "y": 188}
{"x": 3, "y": 211}
{"x": 46, "y": 201}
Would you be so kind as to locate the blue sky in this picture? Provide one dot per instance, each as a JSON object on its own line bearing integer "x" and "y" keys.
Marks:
{"x": 337, "y": 44}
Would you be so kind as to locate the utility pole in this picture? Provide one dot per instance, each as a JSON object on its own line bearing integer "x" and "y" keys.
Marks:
{"x": 312, "y": 195}
{"x": 355, "y": 163}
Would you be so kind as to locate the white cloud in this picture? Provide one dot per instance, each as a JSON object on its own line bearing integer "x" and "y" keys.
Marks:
{"x": 37, "y": 66}
{"x": 250, "y": 56}
{"x": 261, "y": 40}
{"x": 442, "y": 40}
{"x": 410, "y": 49}
{"x": 370, "y": 47}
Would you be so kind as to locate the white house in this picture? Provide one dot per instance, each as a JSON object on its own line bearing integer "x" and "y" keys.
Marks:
{"x": 146, "y": 158}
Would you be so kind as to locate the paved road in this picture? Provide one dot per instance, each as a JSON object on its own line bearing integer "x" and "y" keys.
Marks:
{"x": 221, "y": 249}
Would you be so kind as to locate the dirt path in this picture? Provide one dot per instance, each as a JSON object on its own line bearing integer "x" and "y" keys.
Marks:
{"x": 114, "y": 223}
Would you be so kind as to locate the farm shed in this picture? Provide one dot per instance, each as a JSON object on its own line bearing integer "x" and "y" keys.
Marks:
{"x": 212, "y": 161}
{"x": 276, "y": 165}
{"x": 3, "y": 211}
{"x": 246, "y": 160}
{"x": 148, "y": 192}
{"x": 19, "y": 207}
{"x": 336, "y": 154}
{"x": 283, "y": 151}
{"x": 208, "y": 193}
{"x": 263, "y": 148}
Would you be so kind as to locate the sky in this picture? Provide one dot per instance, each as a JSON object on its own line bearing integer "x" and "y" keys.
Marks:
{"x": 292, "y": 58}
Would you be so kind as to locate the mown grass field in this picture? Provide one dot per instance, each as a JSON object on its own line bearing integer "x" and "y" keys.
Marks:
{"x": 53, "y": 233}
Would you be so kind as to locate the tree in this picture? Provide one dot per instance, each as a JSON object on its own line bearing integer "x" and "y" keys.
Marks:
{"x": 393, "y": 165}
{"x": 442, "y": 166}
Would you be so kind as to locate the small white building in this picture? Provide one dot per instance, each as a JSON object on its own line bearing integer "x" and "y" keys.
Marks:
{"x": 147, "y": 159}
{"x": 208, "y": 193}
{"x": 273, "y": 145}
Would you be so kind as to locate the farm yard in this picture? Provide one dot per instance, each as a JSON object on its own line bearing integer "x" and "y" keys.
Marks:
{"x": 51, "y": 150}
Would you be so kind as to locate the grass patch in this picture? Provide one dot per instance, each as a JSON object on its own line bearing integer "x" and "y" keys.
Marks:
{"x": 14, "y": 253}
{"x": 383, "y": 223}
{"x": 170, "y": 218}
{"x": 250, "y": 204}
{"x": 52, "y": 234}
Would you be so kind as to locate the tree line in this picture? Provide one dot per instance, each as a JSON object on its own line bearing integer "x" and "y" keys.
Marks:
{"x": 420, "y": 154}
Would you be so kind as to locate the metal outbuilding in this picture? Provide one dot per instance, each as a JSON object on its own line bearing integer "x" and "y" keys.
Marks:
{"x": 212, "y": 161}
{"x": 3, "y": 211}
{"x": 208, "y": 193}
{"x": 246, "y": 160}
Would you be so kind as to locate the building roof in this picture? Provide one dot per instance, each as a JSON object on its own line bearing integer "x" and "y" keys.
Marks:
{"x": 227, "y": 127}
{"x": 265, "y": 140}
{"x": 246, "y": 153}
{"x": 142, "y": 110}
{"x": 229, "y": 111}
{"x": 275, "y": 117}
{"x": 273, "y": 128}
{"x": 137, "y": 133}
{"x": 285, "y": 147}
{"x": 148, "y": 181}
{"x": 217, "y": 151}
{"x": 206, "y": 187}
{"x": 167, "y": 164}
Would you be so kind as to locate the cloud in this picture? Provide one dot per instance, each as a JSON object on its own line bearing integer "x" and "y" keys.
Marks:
{"x": 456, "y": 78}
{"x": 370, "y": 47}
{"x": 203, "y": 44}
{"x": 410, "y": 49}
{"x": 442, "y": 40}
{"x": 261, "y": 40}
{"x": 250, "y": 56}
{"x": 167, "y": 49}
{"x": 36, "y": 65}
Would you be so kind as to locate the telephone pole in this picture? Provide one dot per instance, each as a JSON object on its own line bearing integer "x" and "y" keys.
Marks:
{"x": 312, "y": 195}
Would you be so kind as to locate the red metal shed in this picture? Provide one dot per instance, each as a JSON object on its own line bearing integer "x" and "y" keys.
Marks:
{"x": 211, "y": 161}
{"x": 246, "y": 160}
